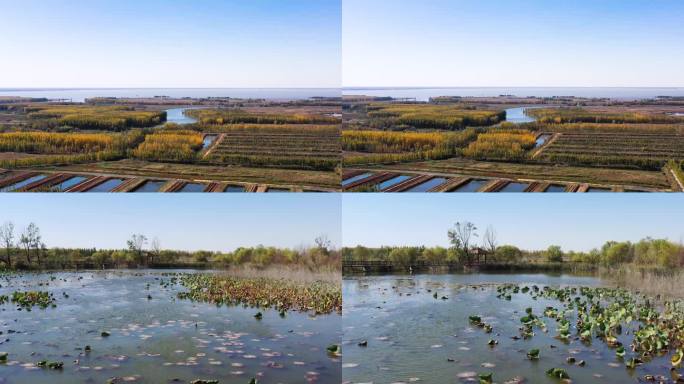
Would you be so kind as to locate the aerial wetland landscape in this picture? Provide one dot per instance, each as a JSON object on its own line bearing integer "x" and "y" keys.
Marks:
{"x": 164, "y": 144}
{"x": 512, "y": 144}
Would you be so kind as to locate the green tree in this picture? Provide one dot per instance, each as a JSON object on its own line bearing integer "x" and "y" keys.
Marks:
{"x": 136, "y": 245}
{"x": 436, "y": 255}
{"x": 507, "y": 254}
{"x": 403, "y": 257}
{"x": 460, "y": 237}
{"x": 554, "y": 254}
{"x": 614, "y": 253}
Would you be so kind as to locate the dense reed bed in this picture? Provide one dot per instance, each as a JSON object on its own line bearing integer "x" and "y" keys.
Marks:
{"x": 106, "y": 118}
{"x": 237, "y": 116}
{"x": 429, "y": 116}
{"x": 580, "y": 115}
{"x": 66, "y": 148}
{"x": 511, "y": 145}
{"x": 175, "y": 146}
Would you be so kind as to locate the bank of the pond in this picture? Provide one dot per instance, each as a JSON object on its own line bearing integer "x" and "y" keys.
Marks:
{"x": 456, "y": 327}
{"x": 354, "y": 267}
{"x": 137, "y": 326}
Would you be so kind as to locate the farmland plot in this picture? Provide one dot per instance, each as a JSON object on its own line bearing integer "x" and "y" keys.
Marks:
{"x": 644, "y": 151}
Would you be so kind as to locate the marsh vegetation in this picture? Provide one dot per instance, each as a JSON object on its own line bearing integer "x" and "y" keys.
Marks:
{"x": 599, "y": 135}
{"x": 258, "y": 134}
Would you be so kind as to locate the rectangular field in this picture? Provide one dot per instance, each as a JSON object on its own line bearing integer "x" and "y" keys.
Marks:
{"x": 646, "y": 151}
{"x": 303, "y": 149}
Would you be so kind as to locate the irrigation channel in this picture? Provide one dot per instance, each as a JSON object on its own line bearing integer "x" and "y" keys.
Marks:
{"x": 154, "y": 337}
{"x": 452, "y": 328}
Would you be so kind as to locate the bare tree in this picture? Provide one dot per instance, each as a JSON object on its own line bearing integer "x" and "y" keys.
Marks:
{"x": 323, "y": 243}
{"x": 36, "y": 240}
{"x": 7, "y": 239}
{"x": 461, "y": 235}
{"x": 25, "y": 241}
{"x": 136, "y": 245}
{"x": 489, "y": 241}
{"x": 155, "y": 250}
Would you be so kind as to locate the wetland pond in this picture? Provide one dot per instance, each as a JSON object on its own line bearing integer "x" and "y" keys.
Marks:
{"x": 137, "y": 329}
{"x": 518, "y": 115}
{"x": 452, "y": 328}
{"x": 178, "y": 116}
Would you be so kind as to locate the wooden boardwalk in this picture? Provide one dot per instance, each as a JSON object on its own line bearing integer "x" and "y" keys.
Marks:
{"x": 384, "y": 266}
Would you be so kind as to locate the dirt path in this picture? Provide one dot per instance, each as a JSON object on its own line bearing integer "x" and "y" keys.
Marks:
{"x": 679, "y": 182}
{"x": 213, "y": 145}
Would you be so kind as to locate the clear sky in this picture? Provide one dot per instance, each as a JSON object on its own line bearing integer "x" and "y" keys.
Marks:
{"x": 513, "y": 43}
{"x": 530, "y": 221}
{"x": 170, "y": 43}
{"x": 189, "y": 221}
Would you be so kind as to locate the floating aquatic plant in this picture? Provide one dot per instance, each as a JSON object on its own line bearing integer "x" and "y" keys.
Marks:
{"x": 558, "y": 373}
{"x": 334, "y": 350}
{"x": 677, "y": 358}
{"x": 533, "y": 354}
{"x": 50, "y": 364}
{"x": 486, "y": 378}
{"x": 280, "y": 294}
{"x": 29, "y": 299}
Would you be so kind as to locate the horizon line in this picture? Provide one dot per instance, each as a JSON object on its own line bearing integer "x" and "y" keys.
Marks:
{"x": 507, "y": 86}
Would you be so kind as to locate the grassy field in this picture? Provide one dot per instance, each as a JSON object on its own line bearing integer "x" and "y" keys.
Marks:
{"x": 297, "y": 148}
{"x": 642, "y": 151}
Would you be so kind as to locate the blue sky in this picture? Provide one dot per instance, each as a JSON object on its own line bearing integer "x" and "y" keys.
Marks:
{"x": 513, "y": 43}
{"x": 530, "y": 221}
{"x": 190, "y": 221}
{"x": 170, "y": 43}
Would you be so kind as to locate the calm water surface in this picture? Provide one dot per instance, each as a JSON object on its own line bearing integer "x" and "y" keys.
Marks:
{"x": 156, "y": 340}
{"x": 424, "y": 94}
{"x": 79, "y": 95}
{"x": 411, "y": 335}
{"x": 518, "y": 115}
{"x": 177, "y": 115}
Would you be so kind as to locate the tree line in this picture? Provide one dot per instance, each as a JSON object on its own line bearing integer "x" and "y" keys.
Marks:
{"x": 466, "y": 245}
{"x": 25, "y": 250}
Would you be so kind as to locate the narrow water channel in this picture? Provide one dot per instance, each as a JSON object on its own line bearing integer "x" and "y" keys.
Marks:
{"x": 518, "y": 115}
{"x": 177, "y": 116}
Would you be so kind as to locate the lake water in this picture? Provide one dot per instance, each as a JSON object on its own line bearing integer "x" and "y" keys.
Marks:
{"x": 424, "y": 94}
{"x": 413, "y": 336}
{"x": 79, "y": 95}
{"x": 156, "y": 340}
{"x": 177, "y": 115}
{"x": 208, "y": 140}
{"x": 517, "y": 115}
